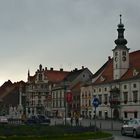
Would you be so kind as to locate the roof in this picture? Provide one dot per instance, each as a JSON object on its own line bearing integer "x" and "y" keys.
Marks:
{"x": 55, "y": 76}
{"x": 106, "y": 74}
{"x": 9, "y": 92}
{"x": 74, "y": 74}
{"x": 134, "y": 65}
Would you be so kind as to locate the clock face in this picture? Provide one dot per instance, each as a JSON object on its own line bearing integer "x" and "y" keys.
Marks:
{"x": 124, "y": 58}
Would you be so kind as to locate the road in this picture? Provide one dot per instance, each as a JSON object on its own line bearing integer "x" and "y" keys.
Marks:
{"x": 117, "y": 136}
{"x": 113, "y": 127}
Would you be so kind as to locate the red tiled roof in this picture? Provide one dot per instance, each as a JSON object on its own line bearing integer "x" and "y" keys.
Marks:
{"x": 55, "y": 76}
{"x": 32, "y": 78}
{"x": 134, "y": 64}
{"x": 9, "y": 92}
{"x": 107, "y": 74}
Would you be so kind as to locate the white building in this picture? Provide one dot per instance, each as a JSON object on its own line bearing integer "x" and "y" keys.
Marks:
{"x": 116, "y": 84}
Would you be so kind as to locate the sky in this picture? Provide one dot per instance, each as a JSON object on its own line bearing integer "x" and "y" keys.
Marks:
{"x": 64, "y": 34}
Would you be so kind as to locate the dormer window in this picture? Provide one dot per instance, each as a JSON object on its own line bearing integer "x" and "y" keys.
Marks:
{"x": 102, "y": 78}
{"x": 135, "y": 72}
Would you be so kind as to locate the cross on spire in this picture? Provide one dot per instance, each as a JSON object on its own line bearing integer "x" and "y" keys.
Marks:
{"x": 120, "y": 19}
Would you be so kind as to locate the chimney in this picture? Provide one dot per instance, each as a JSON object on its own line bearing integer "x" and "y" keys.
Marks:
{"x": 61, "y": 69}
{"x": 82, "y": 67}
{"x": 109, "y": 58}
{"x": 45, "y": 68}
{"x": 51, "y": 69}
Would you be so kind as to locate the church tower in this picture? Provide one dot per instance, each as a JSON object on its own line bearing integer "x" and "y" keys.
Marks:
{"x": 120, "y": 53}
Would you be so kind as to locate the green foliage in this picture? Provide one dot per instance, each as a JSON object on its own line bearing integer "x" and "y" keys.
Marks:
{"x": 43, "y": 132}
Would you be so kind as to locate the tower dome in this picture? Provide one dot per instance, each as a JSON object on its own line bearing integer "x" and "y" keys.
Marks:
{"x": 121, "y": 41}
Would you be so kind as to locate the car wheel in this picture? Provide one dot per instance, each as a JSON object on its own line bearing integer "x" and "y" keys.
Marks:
{"x": 122, "y": 132}
{"x": 134, "y": 133}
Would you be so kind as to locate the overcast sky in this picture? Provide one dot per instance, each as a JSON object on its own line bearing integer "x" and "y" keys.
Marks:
{"x": 62, "y": 34}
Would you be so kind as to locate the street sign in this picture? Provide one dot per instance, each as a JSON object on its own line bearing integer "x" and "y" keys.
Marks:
{"x": 96, "y": 102}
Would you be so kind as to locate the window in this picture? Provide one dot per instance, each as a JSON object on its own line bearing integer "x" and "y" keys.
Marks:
{"x": 85, "y": 94}
{"x": 125, "y": 96}
{"x": 40, "y": 77}
{"x": 100, "y": 99}
{"x": 124, "y": 53}
{"x": 89, "y": 103}
{"x": 105, "y": 99}
{"x": 82, "y": 95}
{"x": 116, "y": 53}
{"x": 100, "y": 114}
{"x": 125, "y": 86}
{"x": 135, "y": 114}
{"x": 89, "y": 94}
{"x": 94, "y": 90}
{"x": 83, "y": 75}
{"x": 60, "y": 103}
{"x": 125, "y": 114}
{"x": 99, "y": 89}
{"x": 105, "y": 89}
{"x": 135, "y": 96}
{"x": 134, "y": 85}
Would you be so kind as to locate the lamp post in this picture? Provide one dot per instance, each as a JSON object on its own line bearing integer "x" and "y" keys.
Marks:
{"x": 65, "y": 102}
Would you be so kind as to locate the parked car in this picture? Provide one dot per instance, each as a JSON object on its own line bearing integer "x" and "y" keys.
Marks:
{"x": 3, "y": 120}
{"x": 131, "y": 127}
{"x": 44, "y": 119}
{"x": 32, "y": 120}
{"x": 38, "y": 119}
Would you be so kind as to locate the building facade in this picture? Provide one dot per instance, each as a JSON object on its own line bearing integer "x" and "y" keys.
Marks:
{"x": 39, "y": 90}
{"x": 47, "y": 90}
{"x": 116, "y": 84}
{"x": 66, "y": 95}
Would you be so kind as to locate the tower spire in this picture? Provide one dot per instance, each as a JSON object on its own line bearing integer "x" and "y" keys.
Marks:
{"x": 28, "y": 75}
{"x": 120, "y": 19}
{"x": 28, "y": 72}
{"x": 120, "y": 41}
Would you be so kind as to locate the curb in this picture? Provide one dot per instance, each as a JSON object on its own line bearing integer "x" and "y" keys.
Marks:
{"x": 109, "y": 138}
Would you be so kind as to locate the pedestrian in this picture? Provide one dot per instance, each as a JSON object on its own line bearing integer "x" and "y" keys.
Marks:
{"x": 71, "y": 121}
{"x": 77, "y": 121}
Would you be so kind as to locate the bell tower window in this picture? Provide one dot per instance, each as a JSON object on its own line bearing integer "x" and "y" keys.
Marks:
{"x": 116, "y": 53}
{"x": 124, "y": 53}
{"x": 40, "y": 77}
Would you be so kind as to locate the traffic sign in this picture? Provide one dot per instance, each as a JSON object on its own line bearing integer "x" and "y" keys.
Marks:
{"x": 96, "y": 102}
